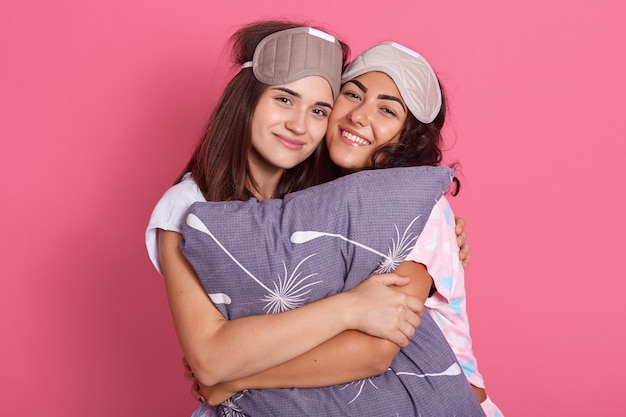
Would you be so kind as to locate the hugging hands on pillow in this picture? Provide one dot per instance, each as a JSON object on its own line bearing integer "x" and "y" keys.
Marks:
{"x": 275, "y": 255}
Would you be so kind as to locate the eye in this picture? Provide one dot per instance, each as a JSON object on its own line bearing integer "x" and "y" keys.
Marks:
{"x": 349, "y": 94}
{"x": 321, "y": 112}
{"x": 283, "y": 99}
{"x": 389, "y": 112}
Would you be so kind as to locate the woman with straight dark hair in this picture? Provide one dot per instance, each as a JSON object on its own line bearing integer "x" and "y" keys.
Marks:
{"x": 262, "y": 142}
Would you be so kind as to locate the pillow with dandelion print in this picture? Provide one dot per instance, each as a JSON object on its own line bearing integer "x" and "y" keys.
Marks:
{"x": 275, "y": 255}
{"x": 260, "y": 257}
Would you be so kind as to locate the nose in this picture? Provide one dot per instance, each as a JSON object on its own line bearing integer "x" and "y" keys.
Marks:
{"x": 297, "y": 122}
{"x": 359, "y": 115}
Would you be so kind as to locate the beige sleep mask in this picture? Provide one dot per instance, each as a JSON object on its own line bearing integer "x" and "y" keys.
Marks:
{"x": 413, "y": 75}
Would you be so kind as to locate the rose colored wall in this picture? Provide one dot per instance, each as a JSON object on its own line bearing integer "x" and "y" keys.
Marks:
{"x": 100, "y": 106}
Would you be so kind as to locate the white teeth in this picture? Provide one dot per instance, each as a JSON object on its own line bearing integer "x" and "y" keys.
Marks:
{"x": 354, "y": 138}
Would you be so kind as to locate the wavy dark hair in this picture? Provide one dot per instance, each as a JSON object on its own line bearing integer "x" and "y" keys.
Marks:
{"x": 419, "y": 144}
{"x": 219, "y": 164}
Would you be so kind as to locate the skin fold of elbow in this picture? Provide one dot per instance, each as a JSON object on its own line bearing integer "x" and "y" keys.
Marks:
{"x": 207, "y": 374}
{"x": 380, "y": 354}
{"x": 381, "y": 364}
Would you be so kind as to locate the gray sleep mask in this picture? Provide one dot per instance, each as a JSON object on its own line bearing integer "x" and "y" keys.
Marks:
{"x": 291, "y": 54}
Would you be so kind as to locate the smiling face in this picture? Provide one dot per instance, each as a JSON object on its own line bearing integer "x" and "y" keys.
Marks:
{"x": 368, "y": 113}
{"x": 288, "y": 124}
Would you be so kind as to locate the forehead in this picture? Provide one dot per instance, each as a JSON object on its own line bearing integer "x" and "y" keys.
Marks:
{"x": 313, "y": 87}
{"x": 379, "y": 82}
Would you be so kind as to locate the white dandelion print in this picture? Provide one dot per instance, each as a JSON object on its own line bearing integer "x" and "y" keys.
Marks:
{"x": 290, "y": 291}
{"x": 400, "y": 246}
{"x": 399, "y": 249}
{"x": 360, "y": 386}
{"x": 229, "y": 408}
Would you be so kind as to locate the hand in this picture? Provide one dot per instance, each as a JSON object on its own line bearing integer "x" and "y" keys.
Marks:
{"x": 216, "y": 394}
{"x": 384, "y": 312}
{"x": 195, "y": 385}
{"x": 461, "y": 237}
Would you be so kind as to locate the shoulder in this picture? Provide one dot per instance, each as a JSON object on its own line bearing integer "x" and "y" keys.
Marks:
{"x": 171, "y": 208}
{"x": 169, "y": 212}
{"x": 442, "y": 213}
{"x": 184, "y": 194}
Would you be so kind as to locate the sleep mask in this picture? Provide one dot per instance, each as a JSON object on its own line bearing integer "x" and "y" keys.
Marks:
{"x": 413, "y": 75}
{"x": 291, "y": 54}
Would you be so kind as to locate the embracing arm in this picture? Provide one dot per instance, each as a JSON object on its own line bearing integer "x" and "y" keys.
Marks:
{"x": 349, "y": 356}
{"x": 221, "y": 350}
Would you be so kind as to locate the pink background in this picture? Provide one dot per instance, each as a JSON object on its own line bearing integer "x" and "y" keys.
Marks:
{"x": 101, "y": 104}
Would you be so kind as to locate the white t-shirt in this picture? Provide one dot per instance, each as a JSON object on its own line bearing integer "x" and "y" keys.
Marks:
{"x": 169, "y": 212}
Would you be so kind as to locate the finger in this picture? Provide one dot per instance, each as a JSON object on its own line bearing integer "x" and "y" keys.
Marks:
{"x": 459, "y": 226}
{"x": 188, "y": 372}
{"x": 408, "y": 330}
{"x": 399, "y": 339}
{"x": 414, "y": 320}
{"x": 393, "y": 279}
{"x": 195, "y": 392}
{"x": 464, "y": 250}
{"x": 460, "y": 239}
{"x": 415, "y": 305}
{"x": 466, "y": 261}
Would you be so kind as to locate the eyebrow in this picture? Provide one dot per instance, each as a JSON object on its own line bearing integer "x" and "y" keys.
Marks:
{"x": 359, "y": 84}
{"x": 380, "y": 96}
{"x": 298, "y": 95}
{"x": 393, "y": 98}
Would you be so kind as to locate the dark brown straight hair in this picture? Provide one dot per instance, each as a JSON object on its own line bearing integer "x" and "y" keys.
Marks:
{"x": 219, "y": 164}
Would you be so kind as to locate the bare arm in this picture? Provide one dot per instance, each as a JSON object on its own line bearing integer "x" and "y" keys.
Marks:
{"x": 208, "y": 340}
{"x": 349, "y": 356}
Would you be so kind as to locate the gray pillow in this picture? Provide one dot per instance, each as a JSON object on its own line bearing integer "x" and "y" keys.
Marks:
{"x": 274, "y": 255}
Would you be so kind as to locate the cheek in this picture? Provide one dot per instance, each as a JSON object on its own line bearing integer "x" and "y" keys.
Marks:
{"x": 318, "y": 130}
{"x": 259, "y": 117}
{"x": 332, "y": 135}
{"x": 389, "y": 134}
{"x": 333, "y": 122}
{"x": 340, "y": 109}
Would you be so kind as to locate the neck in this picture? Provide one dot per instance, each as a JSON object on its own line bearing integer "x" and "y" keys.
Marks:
{"x": 266, "y": 189}
{"x": 266, "y": 181}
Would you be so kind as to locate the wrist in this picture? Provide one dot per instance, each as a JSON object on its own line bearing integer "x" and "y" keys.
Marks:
{"x": 347, "y": 306}
{"x": 235, "y": 385}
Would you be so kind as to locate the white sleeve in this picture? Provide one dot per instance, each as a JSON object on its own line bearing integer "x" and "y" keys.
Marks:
{"x": 168, "y": 214}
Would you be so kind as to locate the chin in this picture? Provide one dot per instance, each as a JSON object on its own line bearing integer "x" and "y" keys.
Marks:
{"x": 347, "y": 164}
{"x": 346, "y": 167}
